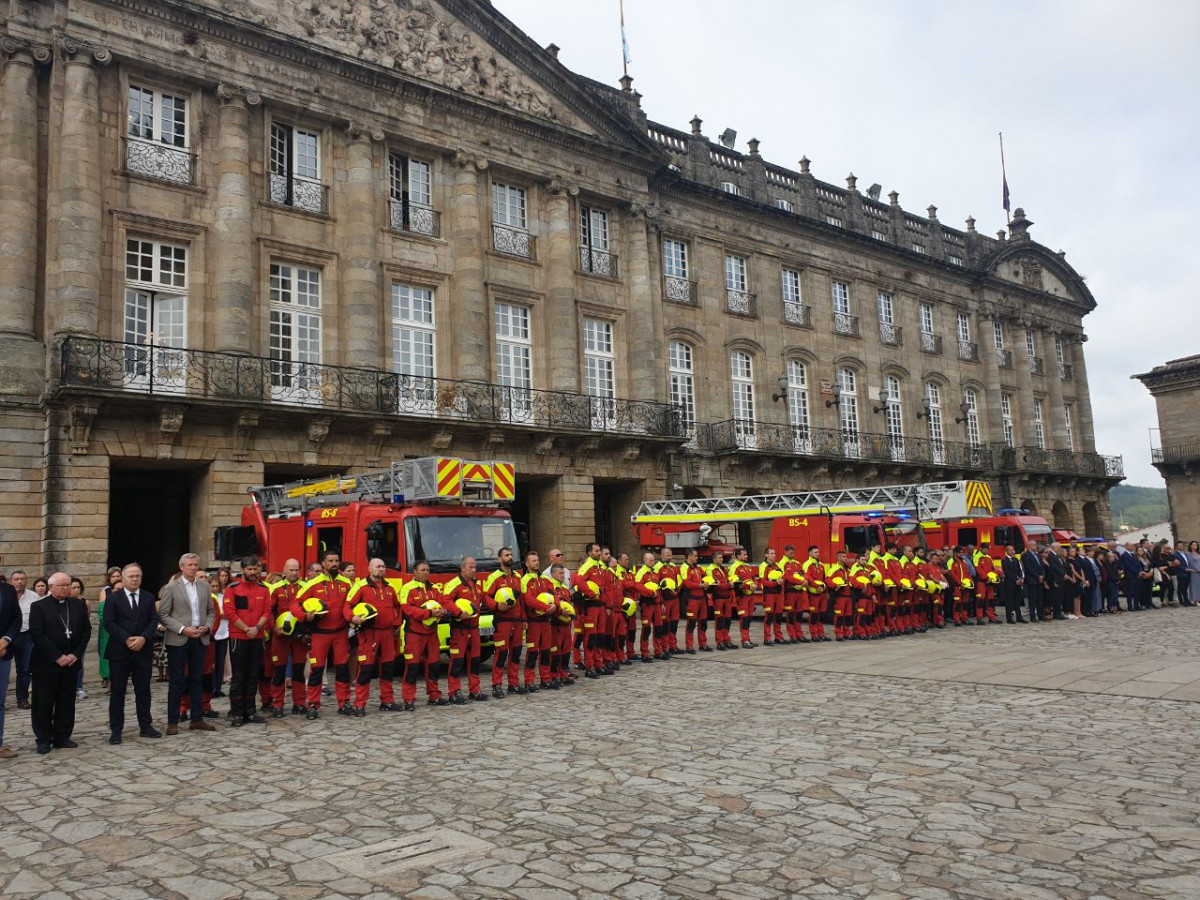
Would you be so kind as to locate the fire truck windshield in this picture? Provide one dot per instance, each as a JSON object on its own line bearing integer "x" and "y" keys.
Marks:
{"x": 445, "y": 540}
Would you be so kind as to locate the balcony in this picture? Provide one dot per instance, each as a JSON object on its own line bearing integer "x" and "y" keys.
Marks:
{"x": 1066, "y": 462}
{"x": 513, "y": 242}
{"x": 679, "y": 290}
{"x": 931, "y": 343}
{"x": 892, "y": 335}
{"x": 163, "y": 162}
{"x": 415, "y": 218}
{"x": 735, "y": 435}
{"x": 844, "y": 323}
{"x": 1004, "y": 358}
{"x": 740, "y": 303}
{"x": 119, "y": 369}
{"x": 1065, "y": 372}
{"x": 299, "y": 193}
{"x": 597, "y": 262}
{"x": 797, "y": 314}
{"x": 1035, "y": 365}
{"x": 1176, "y": 454}
{"x": 968, "y": 350}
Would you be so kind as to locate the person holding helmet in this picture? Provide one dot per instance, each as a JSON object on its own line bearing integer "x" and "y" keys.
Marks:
{"x": 610, "y": 611}
{"x": 375, "y": 610}
{"x": 743, "y": 578}
{"x": 538, "y": 597}
{"x": 861, "y": 599}
{"x": 421, "y": 604}
{"x": 668, "y": 586}
{"x": 716, "y": 579}
{"x": 959, "y": 574}
{"x": 694, "y": 601}
{"x": 795, "y": 595}
{"x": 247, "y": 607}
{"x": 465, "y": 600}
{"x": 645, "y": 583}
{"x": 770, "y": 577}
{"x": 817, "y": 601}
{"x": 987, "y": 577}
{"x": 561, "y": 630}
{"x": 629, "y": 592}
{"x": 503, "y": 600}
{"x": 589, "y": 603}
{"x": 321, "y": 604}
{"x": 837, "y": 580}
{"x": 287, "y": 644}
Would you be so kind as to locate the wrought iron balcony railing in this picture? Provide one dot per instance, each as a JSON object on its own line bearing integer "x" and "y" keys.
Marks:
{"x": 597, "y": 262}
{"x": 154, "y": 159}
{"x": 113, "y": 366}
{"x": 892, "y": 335}
{"x": 797, "y": 313}
{"x": 968, "y": 350}
{"x": 414, "y": 218}
{"x": 679, "y": 290}
{"x": 1035, "y": 365}
{"x": 931, "y": 343}
{"x": 826, "y": 443}
{"x": 740, "y": 303}
{"x": 1065, "y": 372}
{"x": 1176, "y": 453}
{"x": 844, "y": 323}
{"x": 299, "y": 193}
{"x": 513, "y": 242}
{"x": 1004, "y": 358}
{"x": 1033, "y": 459}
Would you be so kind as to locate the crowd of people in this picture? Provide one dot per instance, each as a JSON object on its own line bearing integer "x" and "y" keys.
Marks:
{"x": 281, "y": 632}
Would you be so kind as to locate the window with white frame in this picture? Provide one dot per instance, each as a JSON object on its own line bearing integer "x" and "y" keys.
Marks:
{"x": 918, "y": 248}
{"x": 594, "y": 256}
{"x": 1039, "y": 425}
{"x": 964, "y": 327}
{"x": 158, "y": 135}
{"x": 879, "y": 235}
{"x": 834, "y": 221}
{"x": 791, "y": 286}
{"x": 925, "y": 314}
{"x": 413, "y": 331}
{"x": 675, "y": 258}
{"x": 295, "y": 161}
{"x": 1059, "y": 354}
{"x": 887, "y": 308}
{"x": 295, "y": 332}
{"x": 599, "y": 375}
{"x": 785, "y": 205}
{"x": 954, "y": 260}
{"x": 514, "y": 357}
{"x": 933, "y": 393}
{"x": 797, "y": 397}
{"x": 730, "y": 188}
{"x": 741, "y": 366}
{"x": 155, "y": 314}
{"x": 735, "y": 273}
{"x": 1030, "y": 345}
{"x": 971, "y": 399}
{"x": 1007, "y": 421}
{"x": 1070, "y": 429}
{"x": 998, "y": 334}
{"x": 841, "y": 297}
{"x": 681, "y": 372}
{"x": 509, "y": 206}
{"x": 894, "y": 415}
{"x": 410, "y": 191}
{"x": 848, "y": 412}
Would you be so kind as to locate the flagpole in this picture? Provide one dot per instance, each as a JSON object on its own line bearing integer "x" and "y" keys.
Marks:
{"x": 1004, "y": 181}
{"x": 624, "y": 44}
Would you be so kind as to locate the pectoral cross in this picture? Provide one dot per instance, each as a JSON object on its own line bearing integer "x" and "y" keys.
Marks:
{"x": 67, "y": 628}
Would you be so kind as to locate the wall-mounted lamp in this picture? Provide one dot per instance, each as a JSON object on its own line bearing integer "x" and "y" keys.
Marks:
{"x": 964, "y": 408}
{"x": 837, "y": 397}
{"x": 886, "y": 405}
{"x": 783, "y": 389}
{"x": 925, "y": 404}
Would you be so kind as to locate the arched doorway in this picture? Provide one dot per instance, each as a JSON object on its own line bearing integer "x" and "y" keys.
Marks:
{"x": 1030, "y": 507}
{"x": 1093, "y": 525}
{"x": 1062, "y": 516}
{"x": 754, "y": 535}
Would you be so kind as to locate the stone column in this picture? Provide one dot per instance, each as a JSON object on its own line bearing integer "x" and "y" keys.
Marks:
{"x": 645, "y": 320}
{"x": 991, "y": 426}
{"x": 1058, "y": 417}
{"x": 360, "y": 215}
{"x": 561, "y": 320}
{"x": 1085, "y": 432}
{"x": 1026, "y": 433}
{"x": 233, "y": 233}
{"x": 470, "y": 317}
{"x": 77, "y": 231}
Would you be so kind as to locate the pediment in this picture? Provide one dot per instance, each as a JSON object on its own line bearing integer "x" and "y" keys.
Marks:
{"x": 1027, "y": 270}
{"x": 1032, "y": 266}
{"x": 425, "y": 41}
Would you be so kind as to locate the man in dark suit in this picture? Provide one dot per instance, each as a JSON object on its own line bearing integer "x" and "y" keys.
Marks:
{"x": 10, "y": 627}
{"x": 131, "y": 617}
{"x": 1010, "y": 587}
{"x": 1035, "y": 582}
{"x": 1056, "y": 579}
{"x": 61, "y": 629}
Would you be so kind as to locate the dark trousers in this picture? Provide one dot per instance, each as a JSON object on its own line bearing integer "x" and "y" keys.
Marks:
{"x": 219, "y": 654}
{"x": 1184, "y": 588}
{"x": 185, "y": 665}
{"x": 54, "y": 704}
{"x": 121, "y": 671}
{"x": 245, "y": 659}
{"x": 1011, "y": 593}
{"x": 22, "y": 651}
{"x": 1110, "y": 595}
{"x": 1034, "y": 593}
{"x": 1054, "y": 600}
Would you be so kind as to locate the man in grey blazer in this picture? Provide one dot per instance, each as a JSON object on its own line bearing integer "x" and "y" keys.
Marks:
{"x": 186, "y": 611}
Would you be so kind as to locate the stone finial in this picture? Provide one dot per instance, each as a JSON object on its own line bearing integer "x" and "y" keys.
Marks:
{"x": 852, "y": 182}
{"x": 626, "y": 83}
{"x": 970, "y": 224}
{"x": 894, "y": 197}
{"x": 1001, "y": 235}
{"x": 932, "y": 211}
{"x": 552, "y": 49}
{"x": 696, "y": 123}
{"x": 1019, "y": 226}
{"x": 753, "y": 145}
{"x": 805, "y": 162}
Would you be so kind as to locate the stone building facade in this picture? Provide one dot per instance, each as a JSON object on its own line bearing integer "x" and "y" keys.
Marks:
{"x": 251, "y": 240}
{"x": 1175, "y": 386}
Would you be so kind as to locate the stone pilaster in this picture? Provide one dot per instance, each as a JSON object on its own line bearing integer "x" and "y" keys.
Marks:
{"x": 470, "y": 318}
{"x": 77, "y": 226}
{"x": 360, "y": 277}
{"x": 218, "y": 496}
{"x": 646, "y": 347}
{"x": 561, "y": 253}
{"x": 233, "y": 233}
{"x": 1026, "y": 433}
{"x": 1085, "y": 426}
{"x": 992, "y": 425}
{"x": 1057, "y": 431}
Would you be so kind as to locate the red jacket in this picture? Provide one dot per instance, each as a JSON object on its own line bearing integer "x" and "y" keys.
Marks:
{"x": 458, "y": 588}
{"x": 334, "y": 592}
{"x": 412, "y": 596}
{"x": 795, "y": 581}
{"x": 249, "y": 605}
{"x": 691, "y": 582}
{"x": 283, "y": 597}
{"x": 722, "y": 590}
{"x": 958, "y": 571}
{"x": 380, "y": 595}
{"x": 591, "y": 571}
{"x": 533, "y": 584}
{"x": 495, "y": 581}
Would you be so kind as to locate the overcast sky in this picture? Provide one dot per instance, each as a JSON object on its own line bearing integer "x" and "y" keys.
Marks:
{"x": 1097, "y": 100}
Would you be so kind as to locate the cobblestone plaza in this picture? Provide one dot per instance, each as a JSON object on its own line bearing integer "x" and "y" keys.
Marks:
{"x": 1051, "y": 762}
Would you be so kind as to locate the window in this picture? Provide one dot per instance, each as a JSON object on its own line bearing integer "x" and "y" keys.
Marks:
{"x": 917, "y": 248}
{"x": 594, "y": 257}
{"x": 964, "y": 327}
{"x": 155, "y": 315}
{"x": 848, "y": 411}
{"x": 1030, "y": 346}
{"x": 413, "y": 347}
{"x": 791, "y": 286}
{"x": 598, "y": 371}
{"x": 1006, "y": 420}
{"x": 834, "y": 221}
{"x": 971, "y": 398}
{"x": 879, "y": 235}
{"x": 681, "y": 370}
{"x": 514, "y": 359}
{"x": 508, "y": 206}
{"x": 794, "y": 310}
{"x": 933, "y": 393}
{"x": 675, "y": 259}
{"x": 955, "y": 260}
{"x": 785, "y": 205}
{"x": 925, "y": 312}
{"x": 1058, "y": 351}
{"x": 797, "y": 376}
{"x": 157, "y": 135}
{"x": 1070, "y": 430}
{"x": 741, "y": 366}
{"x": 841, "y": 297}
{"x": 295, "y": 332}
{"x": 998, "y": 335}
{"x": 886, "y": 304}
{"x": 894, "y": 414}
{"x": 410, "y": 189}
{"x": 1039, "y": 425}
{"x": 730, "y": 188}
{"x": 735, "y": 273}
{"x": 296, "y": 168}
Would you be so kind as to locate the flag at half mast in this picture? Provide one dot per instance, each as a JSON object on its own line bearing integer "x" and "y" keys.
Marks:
{"x": 625, "y": 60}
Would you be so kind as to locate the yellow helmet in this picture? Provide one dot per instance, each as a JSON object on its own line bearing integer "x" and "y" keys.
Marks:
{"x": 860, "y": 578}
{"x": 838, "y": 581}
{"x": 547, "y": 598}
{"x": 887, "y": 582}
{"x": 920, "y": 583}
{"x": 652, "y": 585}
{"x": 967, "y": 583}
{"x": 432, "y": 606}
{"x": 366, "y": 611}
{"x": 667, "y": 584}
{"x": 506, "y": 597}
{"x": 466, "y": 607}
{"x": 593, "y": 589}
{"x": 315, "y": 605}
{"x": 708, "y": 579}
{"x": 775, "y": 575}
{"x": 286, "y": 624}
{"x": 748, "y": 587}
{"x": 993, "y": 577}
{"x": 876, "y": 577}
{"x": 906, "y": 583}
{"x": 629, "y": 606}
{"x": 566, "y": 611}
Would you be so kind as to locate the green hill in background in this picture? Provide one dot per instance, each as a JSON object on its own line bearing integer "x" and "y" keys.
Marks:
{"x": 1136, "y": 507}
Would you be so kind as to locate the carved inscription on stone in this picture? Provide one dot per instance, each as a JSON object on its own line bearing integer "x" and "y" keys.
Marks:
{"x": 1031, "y": 273}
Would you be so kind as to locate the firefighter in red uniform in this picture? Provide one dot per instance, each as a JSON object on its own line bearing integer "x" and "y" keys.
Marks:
{"x": 667, "y": 569}
{"x": 724, "y": 605}
{"x": 285, "y": 648}
{"x": 795, "y": 596}
{"x": 837, "y": 580}
{"x": 694, "y": 599}
{"x": 963, "y": 586}
{"x": 770, "y": 578}
{"x": 612, "y": 621}
{"x": 907, "y": 590}
{"x": 743, "y": 577}
{"x": 422, "y": 605}
{"x": 329, "y": 632}
{"x": 539, "y": 611}
{"x": 464, "y": 600}
{"x": 987, "y": 576}
{"x": 818, "y": 593}
{"x": 247, "y": 607}
{"x": 862, "y": 599}
{"x": 586, "y": 587}
{"x": 645, "y": 582}
{"x": 376, "y": 638}
{"x": 935, "y": 576}
{"x": 561, "y": 630}
{"x": 503, "y": 599}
